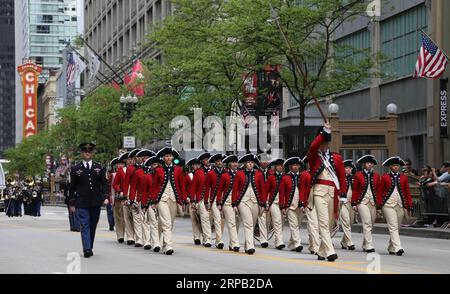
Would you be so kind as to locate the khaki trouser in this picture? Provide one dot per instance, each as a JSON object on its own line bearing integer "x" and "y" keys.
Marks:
{"x": 294, "y": 217}
{"x": 196, "y": 225}
{"x": 394, "y": 217}
{"x": 277, "y": 223}
{"x": 368, "y": 214}
{"x": 167, "y": 212}
{"x": 346, "y": 218}
{"x": 150, "y": 229}
{"x": 140, "y": 228}
{"x": 205, "y": 222}
{"x": 324, "y": 205}
{"x": 249, "y": 214}
{"x": 218, "y": 225}
{"x": 313, "y": 230}
{"x": 262, "y": 224}
{"x": 119, "y": 220}
{"x": 232, "y": 225}
{"x": 128, "y": 220}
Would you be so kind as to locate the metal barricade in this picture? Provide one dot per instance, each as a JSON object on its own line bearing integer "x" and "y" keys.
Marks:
{"x": 436, "y": 204}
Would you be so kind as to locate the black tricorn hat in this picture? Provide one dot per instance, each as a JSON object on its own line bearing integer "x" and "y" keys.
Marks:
{"x": 151, "y": 161}
{"x": 293, "y": 160}
{"x": 167, "y": 150}
{"x": 349, "y": 163}
{"x": 86, "y": 147}
{"x": 192, "y": 161}
{"x": 114, "y": 162}
{"x": 145, "y": 152}
{"x": 277, "y": 161}
{"x": 123, "y": 157}
{"x": 133, "y": 153}
{"x": 231, "y": 158}
{"x": 394, "y": 160}
{"x": 215, "y": 157}
{"x": 305, "y": 159}
{"x": 248, "y": 157}
{"x": 367, "y": 158}
{"x": 202, "y": 156}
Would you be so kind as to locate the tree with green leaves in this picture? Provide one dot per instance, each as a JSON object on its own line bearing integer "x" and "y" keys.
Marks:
{"x": 210, "y": 45}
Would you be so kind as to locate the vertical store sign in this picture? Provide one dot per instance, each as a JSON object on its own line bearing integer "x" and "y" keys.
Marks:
{"x": 443, "y": 110}
{"x": 29, "y": 73}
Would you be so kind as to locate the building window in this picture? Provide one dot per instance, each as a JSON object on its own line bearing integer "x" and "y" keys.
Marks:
{"x": 355, "y": 48}
{"x": 400, "y": 42}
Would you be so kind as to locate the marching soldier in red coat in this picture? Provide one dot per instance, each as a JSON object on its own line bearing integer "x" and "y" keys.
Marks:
{"x": 328, "y": 182}
{"x": 224, "y": 200}
{"x": 141, "y": 227}
{"x": 121, "y": 185}
{"x": 264, "y": 219}
{"x": 150, "y": 214}
{"x": 168, "y": 194}
{"x": 395, "y": 200}
{"x": 249, "y": 198}
{"x": 116, "y": 201}
{"x": 273, "y": 201}
{"x": 346, "y": 215}
{"x": 365, "y": 190}
{"x": 212, "y": 184}
{"x": 201, "y": 204}
{"x": 294, "y": 192}
{"x": 193, "y": 165}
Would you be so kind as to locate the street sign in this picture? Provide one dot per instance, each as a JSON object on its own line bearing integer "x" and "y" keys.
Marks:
{"x": 129, "y": 142}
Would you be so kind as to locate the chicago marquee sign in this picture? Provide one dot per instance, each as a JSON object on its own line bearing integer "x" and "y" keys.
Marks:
{"x": 29, "y": 73}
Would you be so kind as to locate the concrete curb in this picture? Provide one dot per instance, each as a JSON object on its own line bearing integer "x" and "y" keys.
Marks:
{"x": 434, "y": 233}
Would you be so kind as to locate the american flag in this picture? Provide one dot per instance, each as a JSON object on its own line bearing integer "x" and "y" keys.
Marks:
{"x": 70, "y": 69}
{"x": 432, "y": 61}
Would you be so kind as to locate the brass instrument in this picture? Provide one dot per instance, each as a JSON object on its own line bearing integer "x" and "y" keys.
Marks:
{"x": 10, "y": 180}
{"x": 29, "y": 181}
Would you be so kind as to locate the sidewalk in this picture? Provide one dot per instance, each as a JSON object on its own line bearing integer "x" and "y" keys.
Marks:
{"x": 421, "y": 232}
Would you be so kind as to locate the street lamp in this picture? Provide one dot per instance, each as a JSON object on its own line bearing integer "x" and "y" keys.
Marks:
{"x": 128, "y": 105}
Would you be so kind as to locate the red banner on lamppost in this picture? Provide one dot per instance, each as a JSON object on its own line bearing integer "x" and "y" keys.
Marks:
{"x": 29, "y": 73}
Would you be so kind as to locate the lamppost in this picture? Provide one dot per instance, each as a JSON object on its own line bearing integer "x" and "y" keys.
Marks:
{"x": 128, "y": 105}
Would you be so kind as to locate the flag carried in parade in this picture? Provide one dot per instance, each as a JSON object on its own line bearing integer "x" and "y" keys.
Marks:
{"x": 431, "y": 62}
{"x": 94, "y": 63}
{"x": 75, "y": 67}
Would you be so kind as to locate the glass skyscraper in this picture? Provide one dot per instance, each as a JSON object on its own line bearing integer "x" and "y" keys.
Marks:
{"x": 52, "y": 23}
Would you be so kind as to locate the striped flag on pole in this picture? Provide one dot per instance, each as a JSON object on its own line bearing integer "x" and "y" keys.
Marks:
{"x": 70, "y": 69}
{"x": 432, "y": 61}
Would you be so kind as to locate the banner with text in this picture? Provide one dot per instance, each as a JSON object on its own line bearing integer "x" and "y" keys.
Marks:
{"x": 29, "y": 72}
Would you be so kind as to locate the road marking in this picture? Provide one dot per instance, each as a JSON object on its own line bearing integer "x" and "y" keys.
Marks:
{"x": 441, "y": 250}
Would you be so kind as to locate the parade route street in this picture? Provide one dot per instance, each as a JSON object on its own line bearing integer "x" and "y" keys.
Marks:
{"x": 42, "y": 246}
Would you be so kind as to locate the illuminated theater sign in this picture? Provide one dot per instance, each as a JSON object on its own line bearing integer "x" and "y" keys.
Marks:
{"x": 29, "y": 73}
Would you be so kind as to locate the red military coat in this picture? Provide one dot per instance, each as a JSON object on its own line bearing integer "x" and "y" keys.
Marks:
{"x": 267, "y": 173}
{"x": 361, "y": 184}
{"x": 316, "y": 167}
{"x": 147, "y": 187}
{"x": 119, "y": 181}
{"x": 272, "y": 187}
{"x": 212, "y": 184}
{"x": 199, "y": 185}
{"x": 188, "y": 186}
{"x": 136, "y": 188}
{"x": 225, "y": 189}
{"x": 128, "y": 177}
{"x": 387, "y": 188}
{"x": 287, "y": 190}
{"x": 241, "y": 184}
{"x": 161, "y": 180}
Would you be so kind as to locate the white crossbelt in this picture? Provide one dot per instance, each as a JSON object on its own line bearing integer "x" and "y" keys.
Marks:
{"x": 331, "y": 171}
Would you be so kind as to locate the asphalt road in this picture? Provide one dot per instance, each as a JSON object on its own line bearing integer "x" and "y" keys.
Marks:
{"x": 45, "y": 245}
